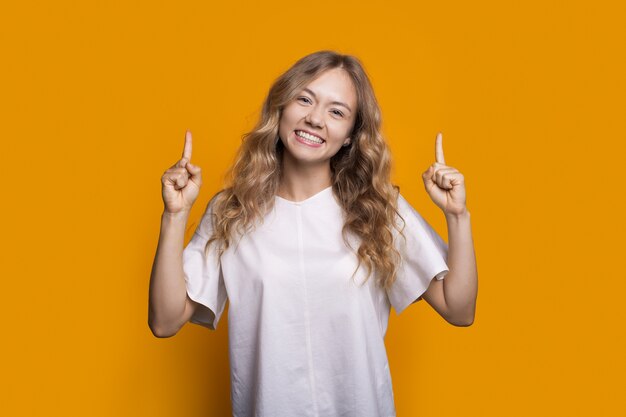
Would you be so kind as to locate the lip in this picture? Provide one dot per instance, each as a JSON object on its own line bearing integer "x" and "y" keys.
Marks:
{"x": 310, "y": 133}
{"x": 306, "y": 143}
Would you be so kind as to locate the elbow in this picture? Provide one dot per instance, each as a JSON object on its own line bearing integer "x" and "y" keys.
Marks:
{"x": 461, "y": 321}
{"x": 161, "y": 332}
{"x": 462, "y": 316}
{"x": 162, "y": 335}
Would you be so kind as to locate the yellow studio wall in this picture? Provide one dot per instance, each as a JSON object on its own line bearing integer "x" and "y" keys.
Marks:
{"x": 96, "y": 97}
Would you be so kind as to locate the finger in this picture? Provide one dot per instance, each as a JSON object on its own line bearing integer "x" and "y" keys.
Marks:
{"x": 428, "y": 176}
{"x": 187, "y": 148}
{"x": 449, "y": 180}
{"x": 446, "y": 181}
{"x": 439, "y": 149}
{"x": 439, "y": 173}
{"x": 181, "y": 181}
{"x": 181, "y": 164}
{"x": 443, "y": 168}
{"x": 196, "y": 172}
{"x": 174, "y": 173}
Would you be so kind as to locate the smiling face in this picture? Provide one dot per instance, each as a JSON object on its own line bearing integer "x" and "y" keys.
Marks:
{"x": 319, "y": 120}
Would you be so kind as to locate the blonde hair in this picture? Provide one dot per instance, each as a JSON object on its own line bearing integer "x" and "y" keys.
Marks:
{"x": 360, "y": 172}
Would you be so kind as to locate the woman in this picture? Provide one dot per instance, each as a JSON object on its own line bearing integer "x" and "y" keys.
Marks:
{"x": 311, "y": 245}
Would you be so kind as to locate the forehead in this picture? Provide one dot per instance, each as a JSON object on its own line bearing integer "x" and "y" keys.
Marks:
{"x": 334, "y": 84}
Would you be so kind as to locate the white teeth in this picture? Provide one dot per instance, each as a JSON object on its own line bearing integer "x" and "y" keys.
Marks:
{"x": 309, "y": 137}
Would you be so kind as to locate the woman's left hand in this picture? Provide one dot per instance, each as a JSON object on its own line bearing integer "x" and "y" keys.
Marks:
{"x": 444, "y": 184}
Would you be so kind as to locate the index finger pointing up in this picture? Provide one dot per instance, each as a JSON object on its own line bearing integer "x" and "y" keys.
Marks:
{"x": 439, "y": 149}
{"x": 187, "y": 148}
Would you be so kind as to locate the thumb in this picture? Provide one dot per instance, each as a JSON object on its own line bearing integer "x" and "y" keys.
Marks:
{"x": 194, "y": 170}
{"x": 427, "y": 175}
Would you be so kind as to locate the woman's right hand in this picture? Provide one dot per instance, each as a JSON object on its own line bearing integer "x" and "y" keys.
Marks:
{"x": 181, "y": 183}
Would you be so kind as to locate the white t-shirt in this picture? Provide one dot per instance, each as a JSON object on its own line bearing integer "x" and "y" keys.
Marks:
{"x": 305, "y": 339}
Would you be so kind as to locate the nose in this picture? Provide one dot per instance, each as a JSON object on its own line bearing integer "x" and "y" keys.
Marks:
{"x": 314, "y": 118}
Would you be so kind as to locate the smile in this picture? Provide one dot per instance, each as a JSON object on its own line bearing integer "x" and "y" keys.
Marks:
{"x": 309, "y": 137}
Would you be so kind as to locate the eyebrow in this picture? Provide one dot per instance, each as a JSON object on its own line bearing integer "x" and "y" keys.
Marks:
{"x": 338, "y": 103}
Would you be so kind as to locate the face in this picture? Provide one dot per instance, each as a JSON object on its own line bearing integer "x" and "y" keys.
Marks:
{"x": 315, "y": 125}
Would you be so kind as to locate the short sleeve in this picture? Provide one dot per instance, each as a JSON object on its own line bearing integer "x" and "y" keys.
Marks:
{"x": 424, "y": 257}
{"x": 203, "y": 275}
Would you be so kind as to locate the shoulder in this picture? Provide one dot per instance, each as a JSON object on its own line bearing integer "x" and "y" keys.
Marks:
{"x": 206, "y": 223}
{"x": 404, "y": 207}
{"x": 409, "y": 217}
{"x": 215, "y": 201}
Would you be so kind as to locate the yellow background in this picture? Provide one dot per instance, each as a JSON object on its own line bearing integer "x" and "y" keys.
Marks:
{"x": 96, "y": 97}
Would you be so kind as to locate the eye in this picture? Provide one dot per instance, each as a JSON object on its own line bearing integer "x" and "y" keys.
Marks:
{"x": 304, "y": 99}
{"x": 337, "y": 112}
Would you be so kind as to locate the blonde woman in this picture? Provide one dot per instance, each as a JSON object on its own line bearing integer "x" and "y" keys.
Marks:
{"x": 311, "y": 245}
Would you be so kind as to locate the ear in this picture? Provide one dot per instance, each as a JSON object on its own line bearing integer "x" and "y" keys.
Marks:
{"x": 346, "y": 142}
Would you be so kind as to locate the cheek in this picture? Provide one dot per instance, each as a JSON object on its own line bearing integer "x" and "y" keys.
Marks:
{"x": 343, "y": 131}
{"x": 294, "y": 112}
{"x": 287, "y": 119}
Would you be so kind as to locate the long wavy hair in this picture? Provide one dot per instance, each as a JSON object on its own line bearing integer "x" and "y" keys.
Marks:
{"x": 360, "y": 171}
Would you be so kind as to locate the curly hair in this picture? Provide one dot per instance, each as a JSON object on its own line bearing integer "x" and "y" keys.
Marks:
{"x": 360, "y": 173}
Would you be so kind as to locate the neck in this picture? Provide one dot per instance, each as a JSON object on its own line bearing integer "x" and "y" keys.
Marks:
{"x": 300, "y": 181}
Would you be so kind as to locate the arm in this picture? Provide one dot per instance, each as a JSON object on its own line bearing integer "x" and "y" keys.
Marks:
{"x": 169, "y": 306}
{"x": 454, "y": 297}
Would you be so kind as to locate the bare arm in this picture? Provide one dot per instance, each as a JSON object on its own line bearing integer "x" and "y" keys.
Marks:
{"x": 169, "y": 307}
{"x": 454, "y": 297}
